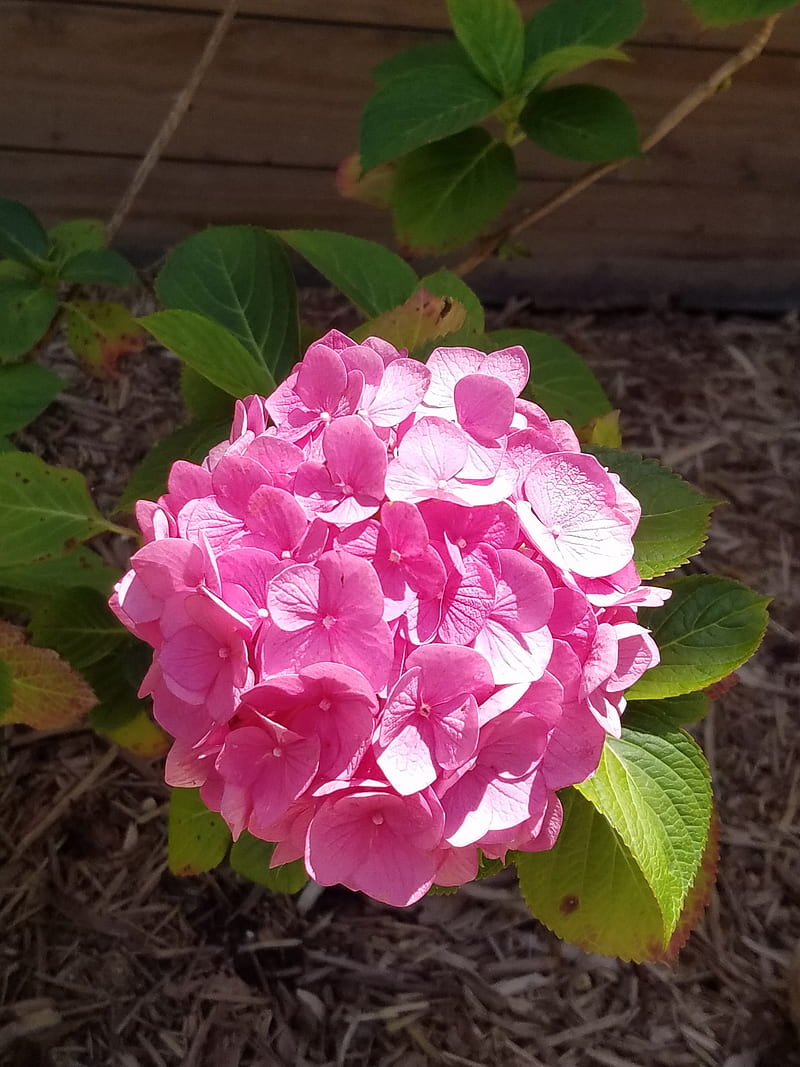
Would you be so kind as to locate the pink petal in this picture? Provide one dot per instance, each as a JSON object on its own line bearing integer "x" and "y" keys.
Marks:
{"x": 278, "y": 518}
{"x": 294, "y": 596}
{"x": 430, "y": 454}
{"x": 405, "y": 382}
{"x": 484, "y": 406}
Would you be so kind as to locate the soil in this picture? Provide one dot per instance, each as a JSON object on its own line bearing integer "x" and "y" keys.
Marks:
{"x": 106, "y": 959}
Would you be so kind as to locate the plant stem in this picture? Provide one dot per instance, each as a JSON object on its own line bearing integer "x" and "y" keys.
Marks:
{"x": 487, "y": 246}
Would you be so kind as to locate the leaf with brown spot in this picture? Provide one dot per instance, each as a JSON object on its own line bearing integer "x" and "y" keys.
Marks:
{"x": 373, "y": 187}
{"x": 699, "y": 895}
{"x": 100, "y": 334}
{"x": 422, "y": 318}
{"x": 46, "y": 692}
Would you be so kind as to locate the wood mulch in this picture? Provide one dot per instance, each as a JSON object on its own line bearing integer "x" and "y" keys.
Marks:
{"x": 108, "y": 960}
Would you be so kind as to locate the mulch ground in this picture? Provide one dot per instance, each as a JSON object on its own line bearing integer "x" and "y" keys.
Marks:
{"x": 108, "y": 960}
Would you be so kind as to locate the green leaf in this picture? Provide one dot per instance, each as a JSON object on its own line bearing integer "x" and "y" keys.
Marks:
{"x": 203, "y": 400}
{"x": 679, "y": 711}
{"x": 43, "y": 510}
{"x": 25, "y": 391}
{"x": 238, "y": 276}
{"x": 100, "y": 333}
{"x": 22, "y": 236}
{"x": 560, "y": 382}
{"x": 708, "y": 628}
{"x": 26, "y": 310}
{"x": 79, "y": 625}
{"x": 11, "y": 271}
{"x": 6, "y": 688}
{"x": 564, "y": 60}
{"x": 675, "y": 515}
{"x": 563, "y": 23}
{"x": 81, "y": 567}
{"x": 420, "y": 106}
{"x": 371, "y": 276}
{"x": 46, "y": 693}
{"x": 131, "y": 728}
{"x": 250, "y": 858}
{"x": 102, "y": 266}
{"x": 654, "y": 787}
{"x": 445, "y": 283}
{"x": 68, "y": 239}
{"x": 583, "y": 122}
{"x": 727, "y": 12}
{"x": 444, "y": 53}
{"x": 192, "y": 443}
{"x": 211, "y": 350}
{"x": 197, "y": 839}
{"x": 447, "y": 192}
{"x": 491, "y": 33}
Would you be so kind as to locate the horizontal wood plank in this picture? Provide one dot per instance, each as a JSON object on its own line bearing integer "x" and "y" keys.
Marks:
{"x": 100, "y": 79}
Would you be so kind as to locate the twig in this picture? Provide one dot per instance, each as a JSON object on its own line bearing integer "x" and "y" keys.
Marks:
{"x": 170, "y": 124}
{"x": 487, "y": 246}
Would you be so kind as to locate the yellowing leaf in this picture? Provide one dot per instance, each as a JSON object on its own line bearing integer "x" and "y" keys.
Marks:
{"x": 421, "y": 318}
{"x": 197, "y": 839}
{"x": 135, "y": 732}
{"x": 46, "y": 692}
{"x": 602, "y": 430}
{"x": 101, "y": 333}
{"x": 373, "y": 187}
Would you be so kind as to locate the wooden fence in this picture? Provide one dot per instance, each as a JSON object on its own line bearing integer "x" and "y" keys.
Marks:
{"x": 713, "y": 217}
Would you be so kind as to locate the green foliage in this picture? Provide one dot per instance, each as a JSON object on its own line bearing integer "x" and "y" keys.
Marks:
{"x": 678, "y": 711}
{"x": 430, "y": 54}
{"x": 80, "y": 567}
{"x": 370, "y": 276}
{"x": 491, "y": 33}
{"x": 675, "y": 515}
{"x": 444, "y": 283}
{"x": 100, "y": 333}
{"x": 69, "y": 239}
{"x": 250, "y": 857}
{"x": 420, "y": 320}
{"x": 420, "y": 106}
{"x": 708, "y": 628}
{"x": 192, "y": 443}
{"x": 119, "y": 714}
{"x": 564, "y": 60}
{"x": 26, "y": 310}
{"x": 25, "y": 391}
{"x": 101, "y": 266}
{"x": 6, "y": 688}
{"x": 22, "y": 236}
{"x": 197, "y": 839}
{"x": 43, "y": 510}
{"x": 445, "y": 193}
{"x": 566, "y": 23}
{"x": 727, "y": 12}
{"x": 239, "y": 277}
{"x": 583, "y": 122}
{"x": 211, "y": 350}
{"x": 203, "y": 400}
{"x": 561, "y": 382}
{"x": 78, "y": 624}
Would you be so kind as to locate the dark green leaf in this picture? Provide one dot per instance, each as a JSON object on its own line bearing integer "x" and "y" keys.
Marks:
{"x": 491, "y": 33}
{"x": 679, "y": 711}
{"x": 447, "y": 192}
{"x": 560, "y": 381}
{"x": 371, "y": 276}
{"x": 727, "y": 12}
{"x": 102, "y": 266}
{"x": 583, "y": 122}
{"x": 238, "y": 276}
{"x": 445, "y": 283}
{"x": 25, "y": 391}
{"x": 22, "y": 236}
{"x": 708, "y": 628}
{"x": 564, "y": 60}
{"x": 81, "y": 567}
{"x": 192, "y": 443}
{"x": 197, "y": 839}
{"x": 78, "y": 235}
{"x": 79, "y": 625}
{"x": 563, "y": 23}
{"x": 250, "y": 858}
{"x": 421, "y": 106}
{"x": 675, "y": 515}
{"x": 26, "y": 310}
{"x": 211, "y": 350}
{"x": 421, "y": 55}
{"x": 203, "y": 400}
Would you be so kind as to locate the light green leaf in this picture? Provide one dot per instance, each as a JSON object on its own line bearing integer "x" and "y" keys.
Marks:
{"x": 654, "y": 787}
{"x": 250, "y": 858}
{"x": 560, "y": 381}
{"x": 675, "y": 515}
{"x": 70, "y": 238}
{"x": 445, "y": 283}
{"x": 447, "y": 192}
{"x": 679, "y": 711}
{"x": 42, "y": 508}
{"x": 491, "y": 33}
{"x": 374, "y": 278}
{"x": 102, "y": 266}
{"x": 583, "y": 122}
{"x": 81, "y": 567}
{"x": 238, "y": 276}
{"x": 192, "y": 443}
{"x": 22, "y": 236}
{"x": 727, "y": 12}
{"x": 430, "y": 54}
{"x": 100, "y": 333}
{"x": 132, "y": 728}
{"x": 421, "y": 319}
{"x": 25, "y": 391}
{"x": 708, "y": 628}
{"x": 26, "y": 310}
{"x": 78, "y": 624}
{"x": 564, "y": 60}
{"x": 197, "y": 839}
{"x": 204, "y": 401}
{"x": 564, "y": 23}
{"x": 211, "y": 350}
{"x": 420, "y": 106}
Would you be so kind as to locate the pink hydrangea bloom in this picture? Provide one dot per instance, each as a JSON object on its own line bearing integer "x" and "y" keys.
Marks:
{"x": 391, "y": 616}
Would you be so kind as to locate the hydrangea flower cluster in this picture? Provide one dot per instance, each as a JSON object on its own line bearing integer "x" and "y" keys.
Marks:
{"x": 391, "y": 615}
